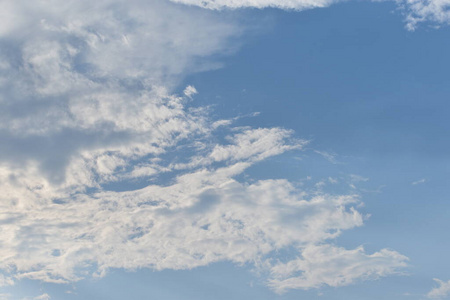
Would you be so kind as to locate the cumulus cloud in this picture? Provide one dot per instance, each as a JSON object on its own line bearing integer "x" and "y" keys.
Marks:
{"x": 440, "y": 292}
{"x": 103, "y": 166}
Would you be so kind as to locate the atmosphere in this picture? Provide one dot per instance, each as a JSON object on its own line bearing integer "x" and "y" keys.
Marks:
{"x": 224, "y": 149}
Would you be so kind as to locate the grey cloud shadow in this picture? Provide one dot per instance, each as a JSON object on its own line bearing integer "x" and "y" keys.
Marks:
{"x": 53, "y": 152}
{"x": 206, "y": 202}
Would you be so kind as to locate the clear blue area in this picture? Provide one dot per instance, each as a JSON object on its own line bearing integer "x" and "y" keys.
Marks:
{"x": 352, "y": 80}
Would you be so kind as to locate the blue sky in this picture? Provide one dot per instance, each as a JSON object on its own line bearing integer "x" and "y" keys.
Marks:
{"x": 224, "y": 150}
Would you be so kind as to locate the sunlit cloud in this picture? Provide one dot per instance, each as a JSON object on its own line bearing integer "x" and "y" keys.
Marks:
{"x": 104, "y": 166}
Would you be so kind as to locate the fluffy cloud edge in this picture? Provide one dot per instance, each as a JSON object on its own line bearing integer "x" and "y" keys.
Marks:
{"x": 435, "y": 12}
{"x": 441, "y": 291}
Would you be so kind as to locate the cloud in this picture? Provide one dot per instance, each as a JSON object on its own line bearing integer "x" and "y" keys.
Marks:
{"x": 334, "y": 266}
{"x": 103, "y": 166}
{"x": 44, "y": 296}
{"x": 5, "y": 281}
{"x": 440, "y": 292}
{"x": 331, "y": 157}
{"x": 283, "y": 4}
{"x": 423, "y": 180}
{"x": 90, "y": 37}
{"x": 189, "y": 91}
{"x": 433, "y": 11}
{"x": 206, "y": 216}
{"x": 85, "y": 88}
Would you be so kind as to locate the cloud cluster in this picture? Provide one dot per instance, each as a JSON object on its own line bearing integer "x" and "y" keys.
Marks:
{"x": 102, "y": 166}
{"x": 205, "y": 216}
{"x": 440, "y": 292}
{"x": 82, "y": 87}
{"x": 417, "y": 11}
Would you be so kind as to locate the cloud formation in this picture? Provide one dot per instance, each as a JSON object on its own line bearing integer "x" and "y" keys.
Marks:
{"x": 205, "y": 216}
{"x": 283, "y": 4}
{"x": 102, "y": 166}
{"x": 417, "y": 11}
{"x": 44, "y": 296}
{"x": 80, "y": 80}
{"x": 440, "y": 292}
{"x": 334, "y": 266}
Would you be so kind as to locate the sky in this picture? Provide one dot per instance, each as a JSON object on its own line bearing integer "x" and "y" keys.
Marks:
{"x": 224, "y": 149}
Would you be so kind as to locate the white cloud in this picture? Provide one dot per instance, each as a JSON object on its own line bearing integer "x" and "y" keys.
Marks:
{"x": 283, "y": 4}
{"x": 418, "y": 11}
{"x": 153, "y": 39}
{"x": 334, "y": 266}
{"x": 204, "y": 217}
{"x": 440, "y": 292}
{"x": 189, "y": 91}
{"x": 255, "y": 144}
{"x": 331, "y": 157}
{"x": 5, "y": 281}
{"x": 77, "y": 103}
{"x": 44, "y": 296}
{"x": 423, "y": 180}
{"x": 436, "y": 12}
{"x": 87, "y": 112}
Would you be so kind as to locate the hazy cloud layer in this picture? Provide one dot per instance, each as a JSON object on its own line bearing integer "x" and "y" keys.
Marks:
{"x": 102, "y": 166}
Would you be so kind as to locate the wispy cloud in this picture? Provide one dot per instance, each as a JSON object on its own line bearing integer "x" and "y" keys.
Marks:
{"x": 440, "y": 292}
{"x": 331, "y": 157}
{"x": 5, "y": 281}
{"x": 334, "y": 266}
{"x": 44, "y": 296}
{"x": 423, "y": 180}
